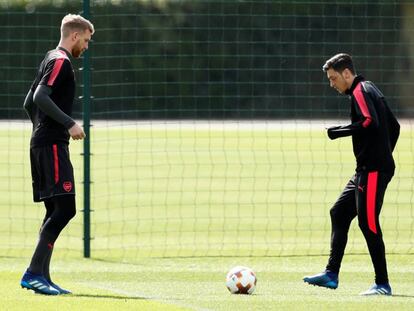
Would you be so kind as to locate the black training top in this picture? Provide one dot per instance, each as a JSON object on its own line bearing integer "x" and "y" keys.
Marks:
{"x": 374, "y": 128}
{"x": 56, "y": 72}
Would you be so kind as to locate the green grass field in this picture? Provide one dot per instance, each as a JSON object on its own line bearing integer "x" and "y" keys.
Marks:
{"x": 175, "y": 206}
{"x": 198, "y": 284}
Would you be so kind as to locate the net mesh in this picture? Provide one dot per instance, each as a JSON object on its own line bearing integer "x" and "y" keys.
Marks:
{"x": 208, "y": 124}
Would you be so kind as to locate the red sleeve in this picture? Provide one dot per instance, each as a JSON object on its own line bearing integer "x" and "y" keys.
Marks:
{"x": 362, "y": 104}
{"x": 54, "y": 69}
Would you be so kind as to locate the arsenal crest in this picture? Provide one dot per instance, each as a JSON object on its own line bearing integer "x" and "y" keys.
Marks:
{"x": 67, "y": 186}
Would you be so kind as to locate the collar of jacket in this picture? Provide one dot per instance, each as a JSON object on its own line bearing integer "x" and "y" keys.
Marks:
{"x": 357, "y": 79}
{"x": 66, "y": 51}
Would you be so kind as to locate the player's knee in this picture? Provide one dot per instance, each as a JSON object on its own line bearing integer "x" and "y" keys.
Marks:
{"x": 68, "y": 212}
{"x": 334, "y": 213}
{"x": 65, "y": 207}
{"x": 363, "y": 226}
{"x": 72, "y": 213}
{"x": 369, "y": 231}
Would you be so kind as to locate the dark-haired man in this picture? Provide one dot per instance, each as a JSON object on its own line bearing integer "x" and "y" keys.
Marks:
{"x": 374, "y": 131}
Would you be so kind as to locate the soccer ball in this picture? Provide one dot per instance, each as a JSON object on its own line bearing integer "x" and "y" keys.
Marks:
{"x": 241, "y": 280}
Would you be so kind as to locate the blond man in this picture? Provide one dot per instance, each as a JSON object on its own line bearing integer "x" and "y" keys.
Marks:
{"x": 49, "y": 105}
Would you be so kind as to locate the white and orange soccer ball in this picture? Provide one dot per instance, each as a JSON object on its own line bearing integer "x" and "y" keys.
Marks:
{"x": 241, "y": 280}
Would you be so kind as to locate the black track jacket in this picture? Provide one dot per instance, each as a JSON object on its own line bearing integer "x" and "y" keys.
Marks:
{"x": 374, "y": 128}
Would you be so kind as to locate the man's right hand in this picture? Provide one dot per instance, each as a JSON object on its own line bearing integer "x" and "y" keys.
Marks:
{"x": 76, "y": 132}
{"x": 331, "y": 132}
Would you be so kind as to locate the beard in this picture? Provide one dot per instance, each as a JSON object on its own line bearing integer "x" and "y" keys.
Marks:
{"x": 77, "y": 51}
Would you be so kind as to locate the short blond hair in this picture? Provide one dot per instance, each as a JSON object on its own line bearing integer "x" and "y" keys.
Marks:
{"x": 73, "y": 22}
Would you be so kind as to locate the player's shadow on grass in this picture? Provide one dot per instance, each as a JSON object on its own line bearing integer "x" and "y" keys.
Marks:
{"x": 105, "y": 296}
{"x": 403, "y": 296}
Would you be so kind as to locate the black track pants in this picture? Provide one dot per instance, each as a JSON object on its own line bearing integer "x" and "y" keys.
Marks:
{"x": 362, "y": 197}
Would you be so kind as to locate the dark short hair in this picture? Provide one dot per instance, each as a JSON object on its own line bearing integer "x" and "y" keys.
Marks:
{"x": 339, "y": 63}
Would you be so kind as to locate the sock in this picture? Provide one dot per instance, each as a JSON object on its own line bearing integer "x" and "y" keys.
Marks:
{"x": 46, "y": 266}
{"x": 42, "y": 252}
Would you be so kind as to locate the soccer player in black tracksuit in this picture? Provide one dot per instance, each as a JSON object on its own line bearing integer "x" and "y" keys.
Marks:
{"x": 49, "y": 105}
{"x": 374, "y": 131}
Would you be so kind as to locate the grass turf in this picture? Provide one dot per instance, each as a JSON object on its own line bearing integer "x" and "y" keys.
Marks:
{"x": 204, "y": 197}
{"x": 198, "y": 284}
